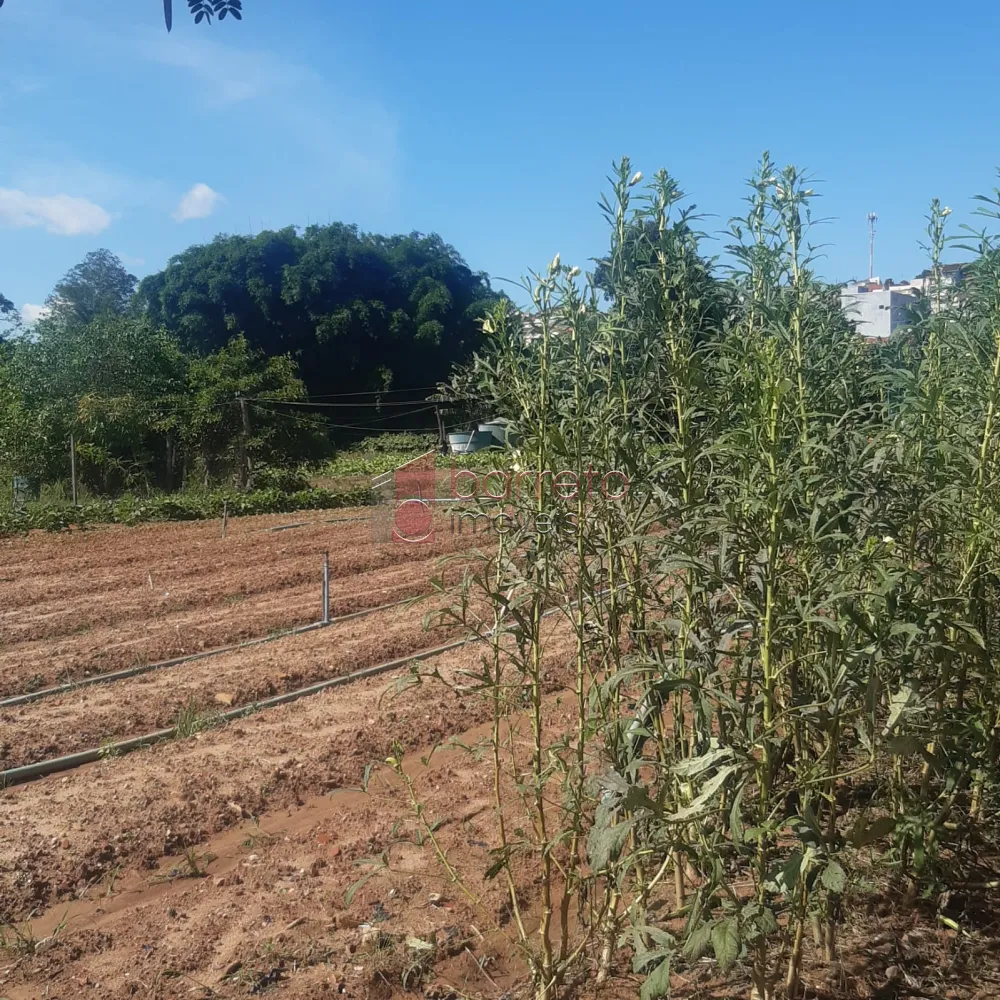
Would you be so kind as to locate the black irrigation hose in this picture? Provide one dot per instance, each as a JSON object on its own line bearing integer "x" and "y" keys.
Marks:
{"x": 303, "y": 524}
{"x": 18, "y": 775}
{"x": 68, "y": 688}
{"x": 28, "y": 772}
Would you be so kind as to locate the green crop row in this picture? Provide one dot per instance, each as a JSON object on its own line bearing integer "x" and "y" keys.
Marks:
{"x": 177, "y": 507}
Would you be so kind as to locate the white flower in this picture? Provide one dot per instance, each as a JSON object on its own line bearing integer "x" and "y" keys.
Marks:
{"x": 945, "y": 211}
{"x": 888, "y": 539}
{"x": 636, "y": 177}
{"x": 554, "y": 266}
{"x": 574, "y": 271}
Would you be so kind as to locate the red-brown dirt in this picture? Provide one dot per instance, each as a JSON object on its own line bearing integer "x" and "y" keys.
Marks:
{"x": 87, "y": 602}
{"x": 89, "y": 717}
{"x": 107, "y": 842}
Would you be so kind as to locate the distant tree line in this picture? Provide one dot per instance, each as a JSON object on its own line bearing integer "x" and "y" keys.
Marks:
{"x": 147, "y": 377}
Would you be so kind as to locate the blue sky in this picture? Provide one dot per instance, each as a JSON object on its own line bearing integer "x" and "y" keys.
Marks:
{"x": 494, "y": 125}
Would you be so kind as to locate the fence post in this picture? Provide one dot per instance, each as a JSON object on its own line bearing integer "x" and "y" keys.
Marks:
{"x": 326, "y": 588}
{"x": 225, "y": 516}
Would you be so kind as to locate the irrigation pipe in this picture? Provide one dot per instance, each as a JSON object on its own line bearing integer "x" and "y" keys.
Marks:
{"x": 303, "y": 524}
{"x": 28, "y": 772}
{"x": 18, "y": 775}
{"x": 145, "y": 668}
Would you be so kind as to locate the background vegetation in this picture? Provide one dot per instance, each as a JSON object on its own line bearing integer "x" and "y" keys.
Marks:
{"x": 328, "y": 333}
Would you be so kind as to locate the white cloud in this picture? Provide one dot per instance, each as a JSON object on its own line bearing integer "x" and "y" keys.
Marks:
{"x": 60, "y": 213}
{"x": 199, "y": 203}
{"x": 47, "y": 165}
{"x": 32, "y": 313}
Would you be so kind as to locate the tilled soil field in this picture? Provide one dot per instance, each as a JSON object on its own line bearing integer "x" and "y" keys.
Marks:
{"x": 190, "y": 693}
{"x": 247, "y": 861}
{"x": 108, "y": 849}
{"x": 82, "y": 603}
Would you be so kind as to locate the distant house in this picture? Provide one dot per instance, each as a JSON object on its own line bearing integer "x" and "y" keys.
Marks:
{"x": 952, "y": 276}
{"x": 878, "y": 307}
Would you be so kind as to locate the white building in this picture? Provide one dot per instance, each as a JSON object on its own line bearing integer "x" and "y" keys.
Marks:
{"x": 879, "y": 307}
{"x": 952, "y": 275}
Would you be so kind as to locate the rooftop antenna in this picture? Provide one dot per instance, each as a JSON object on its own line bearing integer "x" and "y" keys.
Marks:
{"x": 872, "y": 219}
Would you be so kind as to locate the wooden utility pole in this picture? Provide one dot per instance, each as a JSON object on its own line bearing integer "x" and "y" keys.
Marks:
{"x": 244, "y": 441}
{"x": 440, "y": 422}
{"x": 72, "y": 466}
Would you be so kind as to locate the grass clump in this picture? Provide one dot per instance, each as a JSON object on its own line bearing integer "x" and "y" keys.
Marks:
{"x": 192, "y": 719}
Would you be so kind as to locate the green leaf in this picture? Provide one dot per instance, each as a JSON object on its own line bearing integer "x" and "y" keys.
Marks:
{"x": 698, "y": 942}
{"x": 898, "y": 704}
{"x": 788, "y": 876}
{"x": 736, "y": 820}
{"x": 865, "y": 833}
{"x": 691, "y": 767}
{"x": 355, "y": 886}
{"x": 905, "y": 628}
{"x": 605, "y": 841}
{"x": 833, "y": 878}
{"x": 657, "y": 983}
{"x": 726, "y": 942}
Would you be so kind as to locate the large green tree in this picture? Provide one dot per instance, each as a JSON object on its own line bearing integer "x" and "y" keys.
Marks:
{"x": 208, "y": 415}
{"x": 103, "y": 381}
{"x": 358, "y": 311}
{"x": 142, "y": 413}
{"x": 27, "y": 441}
{"x": 98, "y": 285}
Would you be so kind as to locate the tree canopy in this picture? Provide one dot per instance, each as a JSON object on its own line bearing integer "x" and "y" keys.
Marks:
{"x": 9, "y": 316}
{"x": 143, "y": 413}
{"x": 97, "y": 286}
{"x": 359, "y": 311}
{"x": 149, "y": 378}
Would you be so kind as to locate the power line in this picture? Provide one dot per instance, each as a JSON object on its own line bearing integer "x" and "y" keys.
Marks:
{"x": 349, "y": 406}
{"x": 350, "y": 427}
{"x": 370, "y": 392}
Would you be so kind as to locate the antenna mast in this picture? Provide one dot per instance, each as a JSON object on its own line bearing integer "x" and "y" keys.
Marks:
{"x": 872, "y": 219}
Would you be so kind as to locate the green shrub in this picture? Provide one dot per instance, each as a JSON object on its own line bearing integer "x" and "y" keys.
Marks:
{"x": 286, "y": 480}
{"x": 177, "y": 507}
{"x": 358, "y": 463}
{"x": 398, "y": 442}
